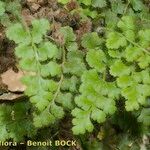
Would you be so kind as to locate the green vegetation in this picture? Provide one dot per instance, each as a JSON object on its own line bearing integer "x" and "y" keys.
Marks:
{"x": 99, "y": 79}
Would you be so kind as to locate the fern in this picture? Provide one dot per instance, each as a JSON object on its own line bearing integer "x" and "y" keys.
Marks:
{"x": 46, "y": 84}
{"x": 91, "y": 40}
{"x": 95, "y": 102}
{"x": 33, "y": 51}
{"x": 88, "y": 78}
{"x": 16, "y": 122}
{"x": 97, "y": 97}
{"x": 14, "y": 8}
{"x": 134, "y": 85}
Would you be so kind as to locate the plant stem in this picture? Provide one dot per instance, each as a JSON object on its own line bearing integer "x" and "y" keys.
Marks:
{"x": 125, "y": 10}
{"x": 60, "y": 81}
{"x": 134, "y": 43}
{"x": 34, "y": 49}
{"x": 137, "y": 45}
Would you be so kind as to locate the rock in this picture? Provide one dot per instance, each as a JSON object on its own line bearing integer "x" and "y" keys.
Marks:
{"x": 12, "y": 80}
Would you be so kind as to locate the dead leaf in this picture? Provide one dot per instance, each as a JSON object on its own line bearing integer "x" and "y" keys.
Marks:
{"x": 27, "y": 16}
{"x": 12, "y": 80}
{"x": 85, "y": 27}
{"x": 72, "y": 5}
{"x": 35, "y": 7}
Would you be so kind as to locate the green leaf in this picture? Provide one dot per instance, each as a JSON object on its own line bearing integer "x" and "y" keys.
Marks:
{"x": 135, "y": 95}
{"x": 27, "y": 79}
{"x": 68, "y": 34}
{"x": 18, "y": 34}
{"x": 145, "y": 116}
{"x": 14, "y": 7}
{"x": 91, "y": 40}
{"x": 84, "y": 102}
{"x": 75, "y": 67}
{"x": 98, "y": 115}
{"x": 32, "y": 88}
{"x": 35, "y": 55}
{"x": 144, "y": 61}
{"x": 24, "y": 51}
{"x": 63, "y": 1}
{"x": 119, "y": 69}
{"x": 144, "y": 37}
{"x": 66, "y": 99}
{"x": 115, "y": 53}
{"x": 118, "y": 6}
{"x": 72, "y": 46}
{"x": 111, "y": 18}
{"x": 114, "y": 41}
{"x": 15, "y": 121}
{"x": 75, "y": 55}
{"x": 143, "y": 89}
{"x": 42, "y": 95}
{"x": 99, "y": 3}
{"x": 129, "y": 34}
{"x": 41, "y": 101}
{"x": 19, "y": 129}
{"x": 28, "y": 64}
{"x": 43, "y": 119}
{"x": 39, "y": 29}
{"x": 95, "y": 101}
{"x": 145, "y": 76}
{"x": 82, "y": 121}
{"x": 85, "y": 13}
{"x": 56, "y": 111}
{"x": 125, "y": 81}
{"x": 49, "y": 85}
{"x": 111, "y": 90}
{"x": 137, "y": 5}
{"x": 2, "y": 8}
{"x": 4, "y": 133}
{"x": 108, "y": 106}
{"x": 5, "y": 20}
{"x": 96, "y": 59}
{"x": 132, "y": 53}
{"x": 131, "y": 95}
{"x": 86, "y": 2}
{"x": 137, "y": 77}
{"x": 47, "y": 50}
{"x": 90, "y": 75}
{"x": 74, "y": 64}
{"x": 70, "y": 84}
{"x": 51, "y": 68}
{"x": 126, "y": 23}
